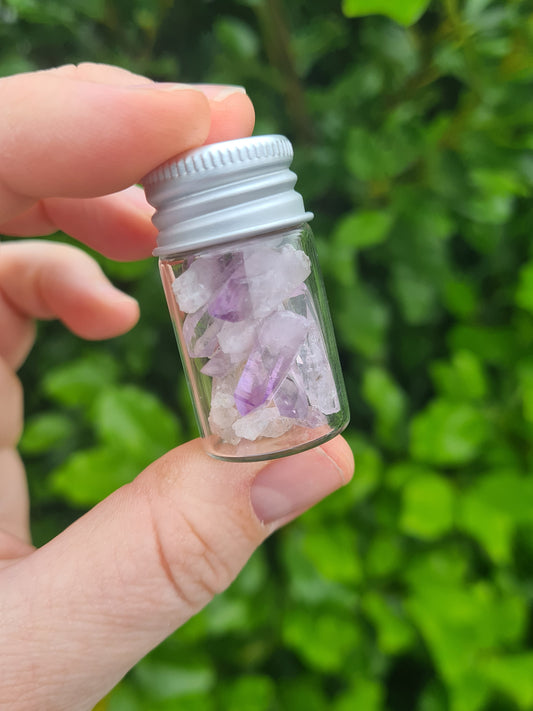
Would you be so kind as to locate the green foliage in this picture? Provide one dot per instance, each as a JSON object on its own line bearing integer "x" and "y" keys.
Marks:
{"x": 45, "y": 431}
{"x": 492, "y": 510}
{"x": 413, "y": 129}
{"x": 448, "y": 433}
{"x": 322, "y": 639}
{"x": 428, "y": 504}
{"x": 133, "y": 428}
{"x": 405, "y": 12}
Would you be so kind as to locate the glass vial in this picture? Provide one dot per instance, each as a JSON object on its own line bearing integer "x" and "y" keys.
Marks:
{"x": 246, "y": 298}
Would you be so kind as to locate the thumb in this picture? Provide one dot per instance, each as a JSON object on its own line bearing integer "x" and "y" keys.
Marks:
{"x": 137, "y": 566}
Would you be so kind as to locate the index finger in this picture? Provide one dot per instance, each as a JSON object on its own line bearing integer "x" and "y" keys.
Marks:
{"x": 64, "y": 137}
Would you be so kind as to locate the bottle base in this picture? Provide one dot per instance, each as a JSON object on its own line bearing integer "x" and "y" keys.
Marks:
{"x": 271, "y": 449}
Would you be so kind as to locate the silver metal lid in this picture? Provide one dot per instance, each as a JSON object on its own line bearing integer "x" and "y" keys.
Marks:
{"x": 224, "y": 192}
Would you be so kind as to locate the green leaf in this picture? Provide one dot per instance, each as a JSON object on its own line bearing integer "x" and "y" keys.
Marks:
{"x": 322, "y": 639}
{"x": 253, "y": 692}
{"x": 124, "y": 697}
{"x": 448, "y": 619}
{"x": 463, "y": 378}
{"x": 339, "y": 263}
{"x": 395, "y": 633}
{"x": 405, "y": 12}
{"x": 21, "y": 6}
{"x": 460, "y": 297}
{"x": 498, "y": 182}
{"x": 524, "y": 291}
{"x": 253, "y": 578}
{"x": 363, "y": 694}
{"x": 95, "y": 9}
{"x": 454, "y": 623}
{"x": 237, "y": 38}
{"x": 45, "y": 431}
{"x": 493, "y": 507}
{"x": 416, "y": 294}
{"x": 369, "y": 468}
{"x": 525, "y": 379}
{"x": 170, "y": 681}
{"x": 333, "y": 552}
{"x": 79, "y": 382}
{"x": 492, "y": 345}
{"x": 225, "y": 615}
{"x": 442, "y": 565}
{"x": 448, "y": 433}
{"x": 470, "y": 692}
{"x": 427, "y": 507}
{"x": 302, "y": 693}
{"x": 90, "y": 475}
{"x": 362, "y": 323}
{"x": 15, "y": 63}
{"x": 399, "y": 474}
{"x": 306, "y": 585}
{"x": 320, "y": 36}
{"x": 433, "y": 697}
{"x": 134, "y": 420}
{"x": 384, "y": 555}
{"x": 512, "y": 675}
{"x": 388, "y": 402}
{"x": 362, "y": 228}
{"x": 509, "y": 492}
{"x": 488, "y": 209}
{"x": 373, "y": 154}
{"x": 492, "y": 528}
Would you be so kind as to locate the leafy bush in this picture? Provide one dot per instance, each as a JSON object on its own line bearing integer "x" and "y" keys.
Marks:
{"x": 412, "y": 588}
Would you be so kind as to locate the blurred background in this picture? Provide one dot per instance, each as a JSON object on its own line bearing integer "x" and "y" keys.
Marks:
{"x": 412, "y": 589}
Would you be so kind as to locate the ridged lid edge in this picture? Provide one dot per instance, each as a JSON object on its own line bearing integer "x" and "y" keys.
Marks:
{"x": 223, "y": 156}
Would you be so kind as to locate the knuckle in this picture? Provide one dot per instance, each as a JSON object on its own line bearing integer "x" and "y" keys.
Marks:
{"x": 194, "y": 564}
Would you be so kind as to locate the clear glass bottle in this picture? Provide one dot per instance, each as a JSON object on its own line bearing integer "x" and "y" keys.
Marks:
{"x": 246, "y": 298}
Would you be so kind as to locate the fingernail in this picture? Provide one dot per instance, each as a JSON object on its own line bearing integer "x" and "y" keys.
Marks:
{"x": 214, "y": 92}
{"x": 218, "y": 92}
{"x": 289, "y": 486}
{"x": 171, "y": 86}
{"x": 164, "y": 86}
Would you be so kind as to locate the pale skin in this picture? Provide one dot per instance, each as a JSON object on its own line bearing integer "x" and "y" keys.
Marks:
{"x": 78, "y": 613}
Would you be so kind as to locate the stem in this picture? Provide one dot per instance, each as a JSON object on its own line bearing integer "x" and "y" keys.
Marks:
{"x": 277, "y": 42}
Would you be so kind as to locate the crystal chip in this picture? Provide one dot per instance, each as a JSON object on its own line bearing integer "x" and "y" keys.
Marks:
{"x": 278, "y": 340}
{"x": 263, "y": 422}
{"x": 200, "y": 332}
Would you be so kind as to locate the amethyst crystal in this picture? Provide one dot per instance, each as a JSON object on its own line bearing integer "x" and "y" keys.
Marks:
{"x": 197, "y": 284}
{"x": 273, "y": 275}
{"x": 312, "y": 361}
{"x": 232, "y": 301}
{"x": 319, "y": 383}
{"x": 219, "y": 364}
{"x": 223, "y": 412}
{"x": 290, "y": 398}
{"x": 200, "y": 332}
{"x": 278, "y": 340}
{"x": 257, "y": 286}
{"x": 264, "y": 422}
{"x": 237, "y": 339}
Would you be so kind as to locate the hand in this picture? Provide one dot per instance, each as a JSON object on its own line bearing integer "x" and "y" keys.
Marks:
{"x": 79, "y": 612}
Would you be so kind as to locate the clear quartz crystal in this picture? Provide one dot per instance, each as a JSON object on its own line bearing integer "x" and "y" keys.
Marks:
{"x": 260, "y": 355}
